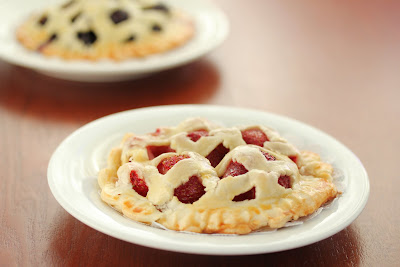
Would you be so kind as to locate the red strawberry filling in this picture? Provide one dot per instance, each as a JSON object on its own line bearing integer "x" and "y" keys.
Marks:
{"x": 269, "y": 157}
{"x": 190, "y": 191}
{"x": 217, "y": 155}
{"x": 155, "y": 151}
{"x": 293, "y": 158}
{"x": 254, "y": 137}
{"x": 156, "y": 132}
{"x": 284, "y": 181}
{"x": 138, "y": 184}
{"x": 196, "y": 135}
{"x": 234, "y": 169}
{"x": 251, "y": 194}
{"x": 166, "y": 164}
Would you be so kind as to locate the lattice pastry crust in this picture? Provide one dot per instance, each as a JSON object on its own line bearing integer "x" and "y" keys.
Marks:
{"x": 96, "y": 29}
{"x": 204, "y": 178}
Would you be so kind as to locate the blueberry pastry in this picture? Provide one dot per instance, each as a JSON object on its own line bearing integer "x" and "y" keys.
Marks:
{"x": 106, "y": 29}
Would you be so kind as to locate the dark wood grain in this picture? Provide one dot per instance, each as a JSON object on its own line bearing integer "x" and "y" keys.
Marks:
{"x": 332, "y": 64}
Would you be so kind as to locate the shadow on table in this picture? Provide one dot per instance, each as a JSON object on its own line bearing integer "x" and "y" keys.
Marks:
{"x": 31, "y": 94}
{"x": 72, "y": 243}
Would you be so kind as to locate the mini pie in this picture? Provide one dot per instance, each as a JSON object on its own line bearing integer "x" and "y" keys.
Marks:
{"x": 203, "y": 178}
{"x": 112, "y": 29}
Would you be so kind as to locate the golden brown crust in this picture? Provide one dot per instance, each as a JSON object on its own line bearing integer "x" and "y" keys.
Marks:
{"x": 216, "y": 212}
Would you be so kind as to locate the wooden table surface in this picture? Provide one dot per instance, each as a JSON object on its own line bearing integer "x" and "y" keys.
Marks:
{"x": 332, "y": 64}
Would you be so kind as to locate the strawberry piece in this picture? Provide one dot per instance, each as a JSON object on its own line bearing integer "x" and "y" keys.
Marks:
{"x": 157, "y": 132}
{"x": 138, "y": 184}
{"x": 251, "y": 194}
{"x": 234, "y": 169}
{"x": 254, "y": 137}
{"x": 269, "y": 157}
{"x": 166, "y": 164}
{"x": 190, "y": 191}
{"x": 293, "y": 158}
{"x": 284, "y": 181}
{"x": 196, "y": 135}
{"x": 217, "y": 155}
{"x": 155, "y": 151}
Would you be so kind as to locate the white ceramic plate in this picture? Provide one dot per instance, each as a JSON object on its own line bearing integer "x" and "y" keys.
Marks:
{"x": 74, "y": 166}
{"x": 211, "y": 30}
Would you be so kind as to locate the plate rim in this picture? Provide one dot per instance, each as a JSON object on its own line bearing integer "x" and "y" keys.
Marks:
{"x": 195, "y": 249}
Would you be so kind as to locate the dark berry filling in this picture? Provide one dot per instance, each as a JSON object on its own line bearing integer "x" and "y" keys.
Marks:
{"x": 132, "y": 38}
{"x": 190, "y": 191}
{"x": 166, "y": 164}
{"x": 68, "y": 4}
{"x": 138, "y": 184}
{"x": 52, "y": 38}
{"x": 234, "y": 169}
{"x": 42, "y": 21}
{"x": 251, "y": 194}
{"x": 75, "y": 17}
{"x": 158, "y": 7}
{"x": 284, "y": 181}
{"x": 156, "y": 28}
{"x": 155, "y": 151}
{"x": 88, "y": 37}
{"x": 119, "y": 16}
{"x": 196, "y": 135}
{"x": 217, "y": 155}
{"x": 254, "y": 137}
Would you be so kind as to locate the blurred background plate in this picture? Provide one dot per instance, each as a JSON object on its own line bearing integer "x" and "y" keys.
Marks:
{"x": 211, "y": 25}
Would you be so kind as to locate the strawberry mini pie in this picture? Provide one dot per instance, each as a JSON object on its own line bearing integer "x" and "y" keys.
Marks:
{"x": 204, "y": 178}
